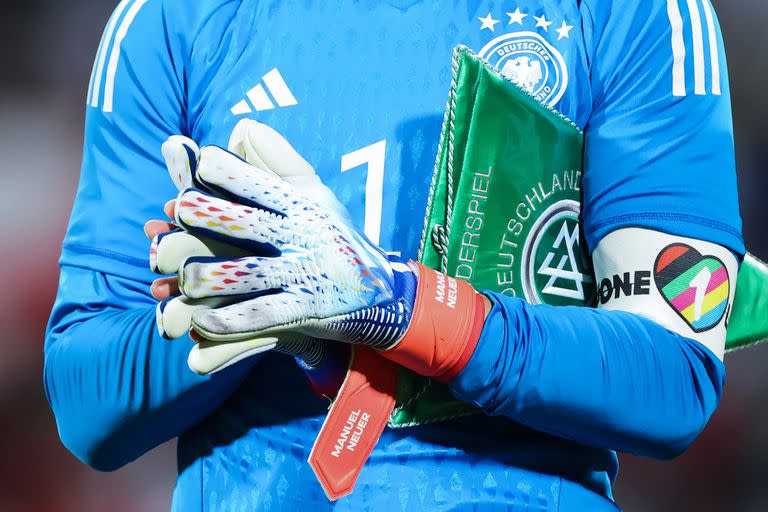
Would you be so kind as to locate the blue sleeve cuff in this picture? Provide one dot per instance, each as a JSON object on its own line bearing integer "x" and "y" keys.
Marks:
{"x": 476, "y": 382}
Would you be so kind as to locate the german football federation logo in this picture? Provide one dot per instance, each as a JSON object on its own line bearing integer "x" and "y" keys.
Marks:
{"x": 695, "y": 286}
{"x": 533, "y": 64}
{"x": 556, "y": 268}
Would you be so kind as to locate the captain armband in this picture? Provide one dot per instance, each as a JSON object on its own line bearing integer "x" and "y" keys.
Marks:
{"x": 683, "y": 284}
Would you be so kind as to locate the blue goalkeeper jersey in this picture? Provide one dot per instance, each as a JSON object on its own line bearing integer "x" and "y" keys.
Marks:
{"x": 359, "y": 88}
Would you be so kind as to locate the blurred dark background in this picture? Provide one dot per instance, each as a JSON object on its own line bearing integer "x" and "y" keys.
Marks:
{"x": 46, "y": 52}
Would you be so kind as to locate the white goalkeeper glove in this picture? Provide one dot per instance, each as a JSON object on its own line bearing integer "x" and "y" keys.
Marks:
{"x": 261, "y": 145}
{"x": 311, "y": 274}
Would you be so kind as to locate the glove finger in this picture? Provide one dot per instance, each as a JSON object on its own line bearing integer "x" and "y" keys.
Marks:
{"x": 165, "y": 247}
{"x": 247, "y": 227}
{"x": 226, "y": 173}
{"x": 174, "y": 314}
{"x": 201, "y": 277}
{"x": 257, "y": 317}
{"x": 263, "y": 147}
{"x": 181, "y": 155}
{"x": 153, "y": 260}
{"x": 209, "y": 357}
{"x": 170, "y": 249}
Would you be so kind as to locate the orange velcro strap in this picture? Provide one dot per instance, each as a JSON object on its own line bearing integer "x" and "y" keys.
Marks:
{"x": 447, "y": 320}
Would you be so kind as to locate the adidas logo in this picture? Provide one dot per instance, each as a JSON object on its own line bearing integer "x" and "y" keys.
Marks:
{"x": 258, "y": 97}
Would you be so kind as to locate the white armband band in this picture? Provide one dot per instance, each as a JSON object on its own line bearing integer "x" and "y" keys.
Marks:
{"x": 683, "y": 284}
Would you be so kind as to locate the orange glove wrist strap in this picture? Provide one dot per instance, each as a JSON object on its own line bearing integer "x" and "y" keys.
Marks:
{"x": 447, "y": 320}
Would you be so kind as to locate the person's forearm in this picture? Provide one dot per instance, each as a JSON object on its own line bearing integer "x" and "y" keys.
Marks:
{"x": 116, "y": 387}
{"x": 602, "y": 378}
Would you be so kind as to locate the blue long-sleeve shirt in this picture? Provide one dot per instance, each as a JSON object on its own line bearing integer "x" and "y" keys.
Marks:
{"x": 566, "y": 386}
{"x": 116, "y": 387}
{"x": 601, "y": 378}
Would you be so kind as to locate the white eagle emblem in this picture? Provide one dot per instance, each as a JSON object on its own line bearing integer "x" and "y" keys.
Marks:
{"x": 523, "y": 72}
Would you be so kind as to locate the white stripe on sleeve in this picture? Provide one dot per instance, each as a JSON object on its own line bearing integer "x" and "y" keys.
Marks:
{"x": 714, "y": 55}
{"x": 698, "y": 48}
{"x": 109, "y": 86}
{"x": 93, "y": 95}
{"x": 678, "y": 48}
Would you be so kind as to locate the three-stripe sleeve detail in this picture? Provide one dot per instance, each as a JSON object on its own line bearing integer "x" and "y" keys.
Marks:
{"x": 692, "y": 25}
{"x": 101, "y": 90}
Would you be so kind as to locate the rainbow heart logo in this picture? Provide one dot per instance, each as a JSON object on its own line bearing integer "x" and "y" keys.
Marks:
{"x": 695, "y": 286}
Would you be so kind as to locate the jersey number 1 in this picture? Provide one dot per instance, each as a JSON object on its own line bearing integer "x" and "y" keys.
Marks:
{"x": 373, "y": 156}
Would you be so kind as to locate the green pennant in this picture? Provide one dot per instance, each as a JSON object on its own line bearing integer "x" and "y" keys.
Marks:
{"x": 503, "y": 213}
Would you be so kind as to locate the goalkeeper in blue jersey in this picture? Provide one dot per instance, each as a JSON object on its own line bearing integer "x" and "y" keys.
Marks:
{"x": 358, "y": 89}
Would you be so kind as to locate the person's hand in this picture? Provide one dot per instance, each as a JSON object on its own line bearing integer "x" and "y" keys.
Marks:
{"x": 260, "y": 144}
{"x": 310, "y": 274}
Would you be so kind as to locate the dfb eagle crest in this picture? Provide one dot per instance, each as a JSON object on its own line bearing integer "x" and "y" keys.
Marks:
{"x": 523, "y": 72}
